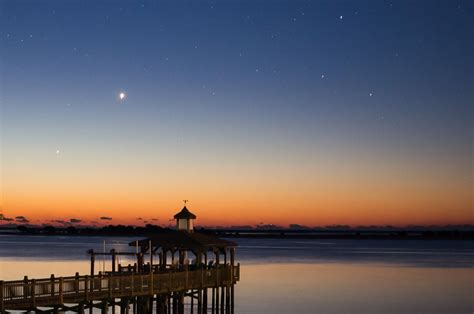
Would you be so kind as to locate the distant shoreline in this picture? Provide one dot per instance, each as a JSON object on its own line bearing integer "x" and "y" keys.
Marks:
{"x": 353, "y": 234}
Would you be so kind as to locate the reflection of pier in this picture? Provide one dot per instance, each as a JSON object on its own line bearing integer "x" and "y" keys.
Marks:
{"x": 184, "y": 270}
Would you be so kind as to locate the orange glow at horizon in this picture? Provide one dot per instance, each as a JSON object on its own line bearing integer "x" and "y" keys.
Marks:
{"x": 367, "y": 190}
{"x": 236, "y": 205}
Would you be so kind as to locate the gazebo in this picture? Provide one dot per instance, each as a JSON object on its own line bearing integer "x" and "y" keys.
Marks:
{"x": 176, "y": 246}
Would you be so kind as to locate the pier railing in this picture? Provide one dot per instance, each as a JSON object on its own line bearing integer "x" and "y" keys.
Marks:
{"x": 21, "y": 294}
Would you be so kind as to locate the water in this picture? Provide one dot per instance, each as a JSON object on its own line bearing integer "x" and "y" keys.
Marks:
{"x": 296, "y": 276}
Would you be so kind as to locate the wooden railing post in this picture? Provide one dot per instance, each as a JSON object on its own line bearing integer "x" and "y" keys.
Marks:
{"x": 92, "y": 287}
{"x": 121, "y": 284}
{"x": 33, "y": 288}
{"x": 100, "y": 281}
{"x": 53, "y": 285}
{"x": 2, "y": 303}
{"x": 86, "y": 290}
{"x": 61, "y": 290}
{"x": 76, "y": 283}
{"x": 141, "y": 283}
{"x": 150, "y": 286}
{"x": 25, "y": 287}
{"x": 202, "y": 277}
{"x": 187, "y": 278}
{"x": 109, "y": 285}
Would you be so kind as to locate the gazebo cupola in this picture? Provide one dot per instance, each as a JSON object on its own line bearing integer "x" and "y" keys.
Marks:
{"x": 185, "y": 219}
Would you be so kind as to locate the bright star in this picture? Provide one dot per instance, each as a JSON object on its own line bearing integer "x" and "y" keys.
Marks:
{"x": 122, "y": 95}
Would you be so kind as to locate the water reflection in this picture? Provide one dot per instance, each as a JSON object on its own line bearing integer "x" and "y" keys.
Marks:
{"x": 349, "y": 288}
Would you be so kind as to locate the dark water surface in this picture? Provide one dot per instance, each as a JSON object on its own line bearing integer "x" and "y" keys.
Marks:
{"x": 296, "y": 276}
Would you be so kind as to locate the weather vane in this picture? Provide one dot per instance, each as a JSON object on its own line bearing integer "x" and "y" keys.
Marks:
{"x": 185, "y": 201}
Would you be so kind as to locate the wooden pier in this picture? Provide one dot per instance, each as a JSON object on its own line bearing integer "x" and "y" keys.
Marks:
{"x": 142, "y": 293}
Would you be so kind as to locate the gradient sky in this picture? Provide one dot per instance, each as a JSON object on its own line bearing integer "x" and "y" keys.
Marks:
{"x": 308, "y": 112}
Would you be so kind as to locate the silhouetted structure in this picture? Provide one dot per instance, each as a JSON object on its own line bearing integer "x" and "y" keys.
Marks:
{"x": 175, "y": 270}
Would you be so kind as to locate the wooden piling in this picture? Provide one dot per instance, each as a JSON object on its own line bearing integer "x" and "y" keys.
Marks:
{"x": 227, "y": 299}
{"x": 80, "y": 308}
{"x": 232, "y": 298}
{"x": 204, "y": 301}
{"x": 105, "y": 307}
{"x": 222, "y": 300}
{"x": 213, "y": 297}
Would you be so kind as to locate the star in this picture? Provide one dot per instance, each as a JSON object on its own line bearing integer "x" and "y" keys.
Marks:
{"x": 57, "y": 152}
{"x": 122, "y": 95}
{"x": 370, "y": 94}
{"x": 322, "y": 76}
{"x": 340, "y": 17}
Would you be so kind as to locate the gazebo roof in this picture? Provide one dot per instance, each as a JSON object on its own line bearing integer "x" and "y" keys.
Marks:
{"x": 185, "y": 214}
{"x": 182, "y": 240}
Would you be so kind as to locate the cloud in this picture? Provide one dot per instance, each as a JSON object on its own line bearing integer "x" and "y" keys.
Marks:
{"x": 21, "y": 219}
{"x": 74, "y": 220}
{"x": 3, "y": 218}
{"x": 105, "y": 218}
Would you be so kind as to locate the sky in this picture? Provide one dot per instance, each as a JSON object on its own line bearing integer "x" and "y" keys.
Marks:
{"x": 274, "y": 112}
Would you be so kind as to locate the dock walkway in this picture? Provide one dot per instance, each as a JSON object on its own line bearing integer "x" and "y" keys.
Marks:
{"x": 30, "y": 294}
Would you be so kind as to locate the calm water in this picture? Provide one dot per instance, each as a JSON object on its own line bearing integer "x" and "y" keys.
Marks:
{"x": 298, "y": 276}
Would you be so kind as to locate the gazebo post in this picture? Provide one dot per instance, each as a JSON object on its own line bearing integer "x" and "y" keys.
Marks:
{"x": 217, "y": 256}
{"x": 113, "y": 260}
{"x": 165, "y": 258}
{"x": 92, "y": 262}
{"x": 151, "y": 255}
